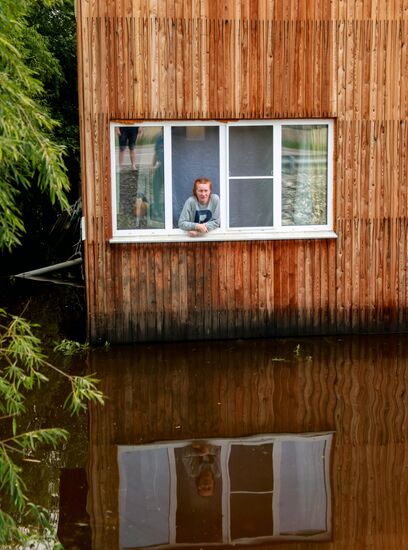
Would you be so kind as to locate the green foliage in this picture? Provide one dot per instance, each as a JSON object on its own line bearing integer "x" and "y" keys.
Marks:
{"x": 299, "y": 356}
{"x": 28, "y": 154}
{"x": 83, "y": 389}
{"x": 42, "y": 536}
{"x": 37, "y": 52}
{"x": 51, "y": 53}
{"x": 106, "y": 346}
{"x": 71, "y": 347}
{"x": 22, "y": 366}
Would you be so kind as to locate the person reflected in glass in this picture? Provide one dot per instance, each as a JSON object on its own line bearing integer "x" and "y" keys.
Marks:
{"x": 140, "y": 210}
{"x": 127, "y": 139}
{"x": 201, "y": 211}
{"x": 202, "y": 462}
{"x": 158, "y": 179}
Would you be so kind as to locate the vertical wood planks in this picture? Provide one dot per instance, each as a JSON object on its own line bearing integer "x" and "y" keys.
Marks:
{"x": 153, "y": 60}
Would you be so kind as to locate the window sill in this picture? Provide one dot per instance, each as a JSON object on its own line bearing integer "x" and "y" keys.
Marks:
{"x": 219, "y": 235}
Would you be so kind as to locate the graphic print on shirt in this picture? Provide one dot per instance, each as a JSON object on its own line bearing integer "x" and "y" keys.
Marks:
{"x": 202, "y": 216}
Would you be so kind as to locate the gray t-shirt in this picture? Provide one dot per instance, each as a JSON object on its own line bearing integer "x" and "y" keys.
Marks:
{"x": 193, "y": 212}
{"x": 196, "y": 459}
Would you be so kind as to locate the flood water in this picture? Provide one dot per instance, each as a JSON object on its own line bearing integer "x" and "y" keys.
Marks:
{"x": 289, "y": 443}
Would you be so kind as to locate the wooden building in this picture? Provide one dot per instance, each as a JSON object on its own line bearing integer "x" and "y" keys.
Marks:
{"x": 297, "y": 111}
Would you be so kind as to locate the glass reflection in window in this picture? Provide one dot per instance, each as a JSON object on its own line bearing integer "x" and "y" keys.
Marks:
{"x": 304, "y": 174}
{"x": 139, "y": 177}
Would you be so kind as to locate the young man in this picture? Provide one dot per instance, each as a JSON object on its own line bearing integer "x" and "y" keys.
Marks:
{"x": 201, "y": 212}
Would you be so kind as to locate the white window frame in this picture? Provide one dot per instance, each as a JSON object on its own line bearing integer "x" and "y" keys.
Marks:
{"x": 225, "y": 233}
{"x": 276, "y": 440}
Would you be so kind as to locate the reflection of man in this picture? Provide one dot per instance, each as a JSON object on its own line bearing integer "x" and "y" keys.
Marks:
{"x": 140, "y": 210}
{"x": 202, "y": 461}
{"x": 127, "y": 138}
{"x": 158, "y": 179}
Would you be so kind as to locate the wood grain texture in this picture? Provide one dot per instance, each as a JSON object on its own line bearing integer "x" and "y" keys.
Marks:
{"x": 354, "y": 386}
{"x": 150, "y": 60}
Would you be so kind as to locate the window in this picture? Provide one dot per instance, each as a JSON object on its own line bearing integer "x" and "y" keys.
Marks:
{"x": 274, "y": 178}
{"x": 225, "y": 491}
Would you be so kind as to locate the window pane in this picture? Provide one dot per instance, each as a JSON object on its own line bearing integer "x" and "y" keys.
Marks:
{"x": 251, "y": 515}
{"x": 144, "y": 510}
{"x": 251, "y": 203}
{"x": 195, "y": 153}
{"x": 251, "y": 151}
{"x": 303, "y": 481}
{"x": 198, "y": 514}
{"x": 304, "y": 174}
{"x": 255, "y": 460}
{"x": 139, "y": 177}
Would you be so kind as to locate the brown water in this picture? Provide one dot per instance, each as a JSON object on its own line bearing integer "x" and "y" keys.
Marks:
{"x": 330, "y": 470}
{"x": 303, "y": 443}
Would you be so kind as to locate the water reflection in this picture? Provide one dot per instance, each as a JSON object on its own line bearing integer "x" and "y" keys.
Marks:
{"x": 73, "y": 525}
{"x": 227, "y": 491}
{"x": 222, "y": 394}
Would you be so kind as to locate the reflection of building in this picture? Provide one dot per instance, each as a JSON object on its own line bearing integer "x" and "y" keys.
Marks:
{"x": 272, "y": 487}
{"x": 73, "y": 525}
{"x": 353, "y": 386}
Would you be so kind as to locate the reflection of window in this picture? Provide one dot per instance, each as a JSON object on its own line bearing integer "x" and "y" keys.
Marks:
{"x": 301, "y": 487}
{"x": 197, "y": 502}
{"x": 274, "y": 178}
{"x": 256, "y": 489}
{"x": 250, "y": 470}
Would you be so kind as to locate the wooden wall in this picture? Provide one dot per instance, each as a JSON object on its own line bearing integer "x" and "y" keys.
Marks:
{"x": 355, "y": 386}
{"x": 208, "y": 59}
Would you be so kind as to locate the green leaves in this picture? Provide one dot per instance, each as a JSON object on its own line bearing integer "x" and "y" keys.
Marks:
{"x": 28, "y": 441}
{"x": 20, "y": 361}
{"x": 22, "y": 366}
{"x": 10, "y": 480}
{"x": 9, "y": 531}
{"x": 12, "y": 536}
{"x": 28, "y": 154}
{"x": 71, "y": 347}
{"x": 31, "y": 158}
{"x": 83, "y": 390}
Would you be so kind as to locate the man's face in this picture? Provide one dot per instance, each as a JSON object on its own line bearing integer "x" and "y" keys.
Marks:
{"x": 203, "y": 192}
{"x": 205, "y": 485}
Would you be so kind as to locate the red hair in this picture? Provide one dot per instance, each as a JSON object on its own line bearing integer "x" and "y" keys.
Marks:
{"x": 198, "y": 181}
